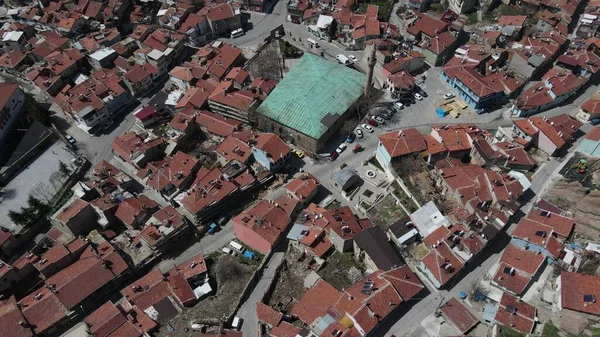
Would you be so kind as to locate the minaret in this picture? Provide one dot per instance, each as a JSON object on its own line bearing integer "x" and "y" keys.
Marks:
{"x": 371, "y": 60}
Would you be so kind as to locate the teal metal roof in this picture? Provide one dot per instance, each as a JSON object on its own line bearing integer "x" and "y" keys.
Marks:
{"x": 313, "y": 95}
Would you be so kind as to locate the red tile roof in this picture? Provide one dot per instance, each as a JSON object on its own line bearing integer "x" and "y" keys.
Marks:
{"x": 525, "y": 264}
{"x": 238, "y": 75}
{"x": 238, "y": 99}
{"x": 174, "y": 170}
{"x": 70, "y": 211}
{"x": 267, "y": 220}
{"x": 594, "y": 134}
{"x": 574, "y": 286}
{"x": 302, "y": 187}
{"x": 217, "y": 124}
{"x": 272, "y": 145}
{"x": 130, "y": 208}
{"x": 193, "y": 98}
{"x": 427, "y": 25}
{"x": 208, "y": 189}
{"x": 87, "y": 275}
{"x": 459, "y": 315}
{"x": 192, "y": 267}
{"x": 442, "y": 263}
{"x": 10, "y": 316}
{"x": 561, "y": 225}
{"x": 129, "y": 144}
{"x": 591, "y": 106}
{"x": 285, "y": 329}
{"x": 316, "y": 301}
{"x": 232, "y": 148}
{"x": 516, "y": 314}
{"x": 403, "y": 142}
{"x": 268, "y": 315}
{"x": 42, "y": 313}
{"x": 109, "y": 321}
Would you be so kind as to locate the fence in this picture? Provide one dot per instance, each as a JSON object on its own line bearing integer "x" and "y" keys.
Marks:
{"x": 7, "y": 172}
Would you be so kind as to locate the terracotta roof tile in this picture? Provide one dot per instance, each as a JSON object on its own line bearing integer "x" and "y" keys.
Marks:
{"x": 516, "y": 314}
{"x": 459, "y": 315}
{"x": 217, "y": 124}
{"x": 404, "y": 142}
{"x": 573, "y": 288}
{"x": 268, "y": 315}
{"x": 315, "y": 302}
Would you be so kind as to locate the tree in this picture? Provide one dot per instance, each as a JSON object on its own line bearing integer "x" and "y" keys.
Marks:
{"x": 333, "y": 30}
{"x": 43, "y": 191}
{"x": 64, "y": 170}
{"x": 18, "y": 218}
{"x": 37, "y": 206}
{"x": 34, "y": 111}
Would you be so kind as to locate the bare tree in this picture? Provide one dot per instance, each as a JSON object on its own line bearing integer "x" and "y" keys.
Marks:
{"x": 267, "y": 63}
{"x": 56, "y": 180}
{"x": 43, "y": 190}
{"x": 227, "y": 268}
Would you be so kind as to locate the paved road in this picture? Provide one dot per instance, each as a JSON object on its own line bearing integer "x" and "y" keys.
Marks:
{"x": 247, "y": 311}
{"x": 208, "y": 244}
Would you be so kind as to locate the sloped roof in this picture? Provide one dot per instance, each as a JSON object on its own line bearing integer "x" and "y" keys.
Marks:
{"x": 313, "y": 95}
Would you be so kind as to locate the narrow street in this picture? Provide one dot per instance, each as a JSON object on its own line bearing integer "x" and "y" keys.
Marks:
{"x": 247, "y": 311}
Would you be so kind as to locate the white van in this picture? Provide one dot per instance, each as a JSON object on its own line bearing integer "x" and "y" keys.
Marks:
{"x": 236, "y": 323}
{"x": 313, "y": 43}
{"x": 236, "y": 33}
{"x": 341, "y": 58}
{"x": 236, "y": 246}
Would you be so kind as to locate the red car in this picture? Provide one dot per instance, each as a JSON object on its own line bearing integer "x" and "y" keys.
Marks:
{"x": 371, "y": 122}
{"x": 334, "y": 156}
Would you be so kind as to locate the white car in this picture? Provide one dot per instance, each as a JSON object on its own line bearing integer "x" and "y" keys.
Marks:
{"x": 70, "y": 139}
{"x": 367, "y": 127}
{"x": 341, "y": 148}
{"x": 379, "y": 120}
{"x": 399, "y": 105}
{"x": 359, "y": 133}
{"x": 353, "y": 58}
{"x": 418, "y": 96}
{"x": 449, "y": 95}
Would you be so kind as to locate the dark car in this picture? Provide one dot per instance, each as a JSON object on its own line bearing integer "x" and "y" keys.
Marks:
{"x": 595, "y": 121}
{"x": 334, "y": 156}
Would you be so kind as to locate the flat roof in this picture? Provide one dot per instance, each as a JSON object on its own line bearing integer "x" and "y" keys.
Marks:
{"x": 102, "y": 53}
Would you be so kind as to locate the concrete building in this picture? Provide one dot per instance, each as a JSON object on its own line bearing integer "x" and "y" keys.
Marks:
{"x": 271, "y": 152}
{"x": 76, "y": 217}
{"x": 103, "y": 58}
{"x": 311, "y": 102}
{"x": 12, "y": 100}
{"x": 590, "y": 144}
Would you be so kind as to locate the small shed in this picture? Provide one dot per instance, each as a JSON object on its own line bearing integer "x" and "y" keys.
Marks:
{"x": 346, "y": 178}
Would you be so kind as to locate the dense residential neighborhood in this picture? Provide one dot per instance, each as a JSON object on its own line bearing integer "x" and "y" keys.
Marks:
{"x": 299, "y": 168}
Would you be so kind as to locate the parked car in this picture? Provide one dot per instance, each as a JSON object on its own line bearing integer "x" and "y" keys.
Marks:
{"x": 212, "y": 229}
{"x": 71, "y": 140}
{"x": 357, "y": 148}
{"x": 334, "y": 155}
{"x": 299, "y": 153}
{"x": 421, "y": 91}
{"x": 379, "y": 120}
{"x": 350, "y": 138}
{"x": 359, "y": 133}
{"x": 386, "y": 115}
{"x": 353, "y": 58}
{"x": 399, "y": 105}
{"x": 418, "y": 96}
{"x": 448, "y": 95}
{"x": 372, "y": 122}
{"x": 228, "y": 251}
{"x": 236, "y": 323}
{"x": 340, "y": 148}
{"x": 368, "y": 127}
{"x": 595, "y": 121}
